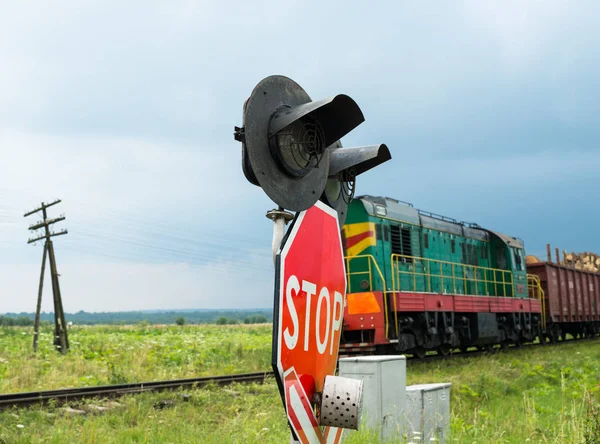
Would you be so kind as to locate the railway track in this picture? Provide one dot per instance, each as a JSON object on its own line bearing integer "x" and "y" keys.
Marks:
{"x": 112, "y": 391}
{"x": 472, "y": 352}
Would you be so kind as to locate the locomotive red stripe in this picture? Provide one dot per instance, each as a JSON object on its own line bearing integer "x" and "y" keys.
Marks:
{"x": 353, "y": 240}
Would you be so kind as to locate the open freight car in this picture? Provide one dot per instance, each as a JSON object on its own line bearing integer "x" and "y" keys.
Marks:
{"x": 572, "y": 300}
{"x": 418, "y": 281}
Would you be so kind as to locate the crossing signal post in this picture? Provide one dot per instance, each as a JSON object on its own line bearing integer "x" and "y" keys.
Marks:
{"x": 291, "y": 149}
{"x": 61, "y": 340}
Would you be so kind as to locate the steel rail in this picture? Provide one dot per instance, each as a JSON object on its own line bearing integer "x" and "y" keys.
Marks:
{"x": 475, "y": 353}
{"x": 111, "y": 391}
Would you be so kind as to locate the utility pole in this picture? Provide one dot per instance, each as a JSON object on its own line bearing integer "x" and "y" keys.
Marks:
{"x": 61, "y": 341}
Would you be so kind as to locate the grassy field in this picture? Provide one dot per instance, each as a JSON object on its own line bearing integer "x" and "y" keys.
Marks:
{"x": 536, "y": 394}
{"x": 112, "y": 355}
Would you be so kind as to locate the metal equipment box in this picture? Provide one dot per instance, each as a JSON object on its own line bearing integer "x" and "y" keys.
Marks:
{"x": 384, "y": 392}
{"x": 428, "y": 412}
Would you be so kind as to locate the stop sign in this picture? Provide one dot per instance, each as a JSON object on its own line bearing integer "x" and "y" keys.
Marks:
{"x": 310, "y": 292}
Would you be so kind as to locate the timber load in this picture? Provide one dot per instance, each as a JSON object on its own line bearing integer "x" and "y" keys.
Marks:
{"x": 582, "y": 261}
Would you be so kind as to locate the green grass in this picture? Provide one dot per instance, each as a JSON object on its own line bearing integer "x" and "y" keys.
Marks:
{"x": 111, "y": 355}
{"x": 536, "y": 394}
{"x": 241, "y": 413}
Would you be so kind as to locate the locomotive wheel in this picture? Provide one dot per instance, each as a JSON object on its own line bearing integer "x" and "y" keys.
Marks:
{"x": 519, "y": 343}
{"x": 419, "y": 353}
{"x": 443, "y": 350}
{"x": 464, "y": 348}
{"x": 504, "y": 345}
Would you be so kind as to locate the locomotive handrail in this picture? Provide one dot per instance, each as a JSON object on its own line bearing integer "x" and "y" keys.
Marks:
{"x": 371, "y": 259}
{"x": 500, "y": 279}
{"x": 466, "y": 269}
{"x": 537, "y": 292}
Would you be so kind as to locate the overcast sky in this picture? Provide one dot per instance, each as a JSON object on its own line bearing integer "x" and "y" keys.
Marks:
{"x": 125, "y": 111}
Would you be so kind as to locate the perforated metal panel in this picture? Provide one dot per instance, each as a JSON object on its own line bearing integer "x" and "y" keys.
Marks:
{"x": 340, "y": 402}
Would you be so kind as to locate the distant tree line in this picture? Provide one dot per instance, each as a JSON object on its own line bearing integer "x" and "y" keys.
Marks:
{"x": 23, "y": 321}
{"x": 254, "y": 319}
{"x": 181, "y": 317}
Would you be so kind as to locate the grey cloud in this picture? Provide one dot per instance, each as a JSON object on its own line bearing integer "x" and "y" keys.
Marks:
{"x": 490, "y": 110}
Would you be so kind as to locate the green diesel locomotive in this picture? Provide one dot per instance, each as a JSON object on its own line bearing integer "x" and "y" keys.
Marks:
{"x": 418, "y": 281}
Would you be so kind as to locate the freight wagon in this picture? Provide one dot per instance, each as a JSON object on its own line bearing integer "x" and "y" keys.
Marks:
{"x": 572, "y": 302}
{"x": 419, "y": 281}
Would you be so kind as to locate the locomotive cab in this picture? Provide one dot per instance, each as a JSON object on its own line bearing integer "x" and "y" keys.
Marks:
{"x": 509, "y": 254}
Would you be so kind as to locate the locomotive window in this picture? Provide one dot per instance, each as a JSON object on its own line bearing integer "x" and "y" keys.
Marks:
{"x": 378, "y": 232}
{"x": 463, "y": 253}
{"x": 518, "y": 261}
{"x": 426, "y": 240}
{"x": 501, "y": 258}
{"x": 452, "y": 246}
{"x": 523, "y": 262}
{"x": 386, "y": 233}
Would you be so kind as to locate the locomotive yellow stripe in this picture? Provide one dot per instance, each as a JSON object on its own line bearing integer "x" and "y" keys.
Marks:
{"x": 359, "y": 237}
{"x": 354, "y": 229}
{"x": 358, "y": 248}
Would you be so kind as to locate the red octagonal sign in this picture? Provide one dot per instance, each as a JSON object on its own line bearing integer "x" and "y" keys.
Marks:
{"x": 310, "y": 293}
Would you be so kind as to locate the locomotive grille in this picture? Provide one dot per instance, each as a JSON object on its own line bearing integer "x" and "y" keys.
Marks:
{"x": 406, "y": 246}
{"x": 401, "y": 241}
{"x": 396, "y": 239}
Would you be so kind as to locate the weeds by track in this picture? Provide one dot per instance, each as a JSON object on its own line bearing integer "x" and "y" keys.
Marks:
{"x": 112, "y": 391}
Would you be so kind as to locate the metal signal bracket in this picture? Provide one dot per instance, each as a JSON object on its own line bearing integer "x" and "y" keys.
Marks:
{"x": 280, "y": 218}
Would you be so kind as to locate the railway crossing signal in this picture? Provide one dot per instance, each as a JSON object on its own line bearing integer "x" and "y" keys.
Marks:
{"x": 291, "y": 148}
